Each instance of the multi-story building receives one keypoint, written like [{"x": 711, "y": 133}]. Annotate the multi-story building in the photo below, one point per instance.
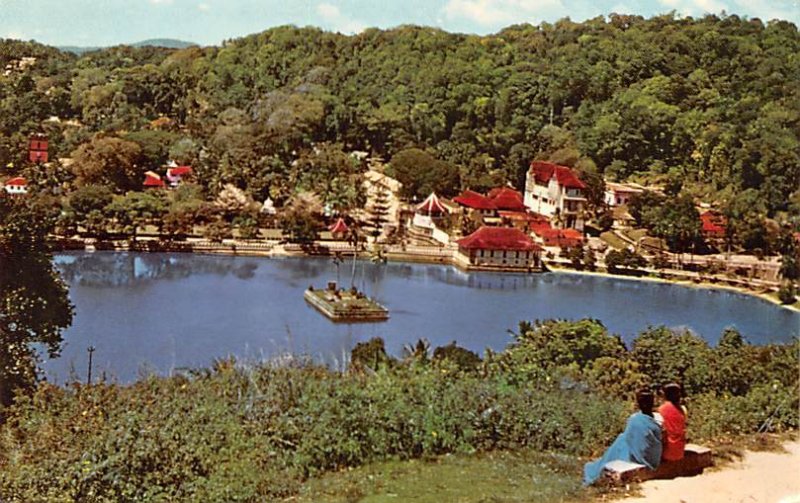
[{"x": 555, "y": 192}]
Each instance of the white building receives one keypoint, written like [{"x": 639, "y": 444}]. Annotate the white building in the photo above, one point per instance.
[
  {"x": 555, "y": 192},
  {"x": 16, "y": 186},
  {"x": 618, "y": 194}
]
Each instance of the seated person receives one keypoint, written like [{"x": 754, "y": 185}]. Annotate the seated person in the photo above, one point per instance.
[
  {"x": 639, "y": 443},
  {"x": 674, "y": 426}
]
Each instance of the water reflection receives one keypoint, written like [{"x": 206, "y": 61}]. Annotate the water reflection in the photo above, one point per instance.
[{"x": 110, "y": 269}]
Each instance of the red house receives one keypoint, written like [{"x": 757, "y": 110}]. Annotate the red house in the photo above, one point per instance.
[
  {"x": 507, "y": 199},
  {"x": 37, "y": 148},
  {"x": 561, "y": 238},
  {"x": 153, "y": 181},
  {"x": 713, "y": 224},
  {"x": 498, "y": 247},
  {"x": 175, "y": 175},
  {"x": 478, "y": 202}
]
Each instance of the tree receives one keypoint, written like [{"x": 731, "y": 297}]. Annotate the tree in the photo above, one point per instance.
[
  {"x": 90, "y": 198},
  {"x": 34, "y": 306},
  {"x": 115, "y": 163},
  {"x": 217, "y": 231},
  {"x": 787, "y": 293},
  {"x": 137, "y": 209},
  {"x": 745, "y": 213},
  {"x": 378, "y": 210},
  {"x": 641, "y": 206},
  {"x": 421, "y": 173},
  {"x": 624, "y": 259},
  {"x": 300, "y": 219},
  {"x": 678, "y": 222}
]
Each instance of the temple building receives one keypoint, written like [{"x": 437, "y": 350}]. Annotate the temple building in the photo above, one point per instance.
[{"x": 498, "y": 248}]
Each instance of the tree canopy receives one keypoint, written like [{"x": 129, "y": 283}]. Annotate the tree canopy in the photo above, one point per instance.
[{"x": 709, "y": 104}]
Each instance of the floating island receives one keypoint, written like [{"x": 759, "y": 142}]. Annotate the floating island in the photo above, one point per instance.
[{"x": 345, "y": 305}]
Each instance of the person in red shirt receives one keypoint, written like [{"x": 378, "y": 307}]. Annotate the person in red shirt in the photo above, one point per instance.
[{"x": 674, "y": 426}]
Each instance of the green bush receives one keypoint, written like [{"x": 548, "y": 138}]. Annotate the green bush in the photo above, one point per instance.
[
  {"x": 787, "y": 293},
  {"x": 252, "y": 433}
]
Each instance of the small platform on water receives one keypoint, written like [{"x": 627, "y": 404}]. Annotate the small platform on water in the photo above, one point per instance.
[
  {"x": 695, "y": 459},
  {"x": 345, "y": 305}
]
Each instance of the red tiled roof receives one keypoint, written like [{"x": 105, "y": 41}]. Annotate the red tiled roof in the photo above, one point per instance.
[
  {"x": 472, "y": 199},
  {"x": 506, "y": 198},
  {"x": 152, "y": 180},
  {"x": 431, "y": 204},
  {"x": 338, "y": 227},
  {"x": 17, "y": 182},
  {"x": 559, "y": 237},
  {"x": 544, "y": 171},
  {"x": 498, "y": 238},
  {"x": 536, "y": 227},
  {"x": 522, "y": 216},
  {"x": 180, "y": 171},
  {"x": 713, "y": 223}
]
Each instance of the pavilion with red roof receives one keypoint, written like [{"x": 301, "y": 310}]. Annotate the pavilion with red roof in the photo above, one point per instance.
[
  {"x": 339, "y": 228},
  {"x": 176, "y": 174},
  {"x": 16, "y": 186},
  {"x": 499, "y": 247},
  {"x": 431, "y": 206},
  {"x": 152, "y": 181}
]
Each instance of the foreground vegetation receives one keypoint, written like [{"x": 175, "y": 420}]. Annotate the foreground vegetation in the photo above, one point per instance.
[{"x": 241, "y": 432}]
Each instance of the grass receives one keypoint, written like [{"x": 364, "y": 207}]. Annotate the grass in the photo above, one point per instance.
[
  {"x": 635, "y": 234},
  {"x": 499, "y": 477},
  {"x": 613, "y": 240}
]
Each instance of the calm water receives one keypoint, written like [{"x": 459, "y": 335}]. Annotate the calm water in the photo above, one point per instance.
[{"x": 162, "y": 312}]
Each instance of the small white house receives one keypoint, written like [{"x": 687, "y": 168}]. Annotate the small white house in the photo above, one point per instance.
[
  {"x": 16, "y": 186},
  {"x": 618, "y": 194}
]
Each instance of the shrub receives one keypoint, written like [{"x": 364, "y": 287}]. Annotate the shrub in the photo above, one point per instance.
[{"x": 787, "y": 293}]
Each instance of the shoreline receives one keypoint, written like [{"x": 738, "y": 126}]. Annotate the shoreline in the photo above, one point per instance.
[
  {"x": 680, "y": 282},
  {"x": 278, "y": 250}
]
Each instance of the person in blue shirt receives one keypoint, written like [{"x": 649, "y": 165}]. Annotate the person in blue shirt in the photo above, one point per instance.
[{"x": 639, "y": 443}]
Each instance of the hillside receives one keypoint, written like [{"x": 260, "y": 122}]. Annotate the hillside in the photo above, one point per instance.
[{"x": 710, "y": 105}]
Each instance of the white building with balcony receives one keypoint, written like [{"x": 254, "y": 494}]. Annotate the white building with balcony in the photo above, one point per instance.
[{"x": 555, "y": 192}]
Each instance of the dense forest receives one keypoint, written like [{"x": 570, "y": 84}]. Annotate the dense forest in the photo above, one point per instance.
[{"x": 709, "y": 107}]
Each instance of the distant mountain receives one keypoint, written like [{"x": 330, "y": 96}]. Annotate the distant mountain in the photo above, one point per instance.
[
  {"x": 77, "y": 50},
  {"x": 168, "y": 43}
]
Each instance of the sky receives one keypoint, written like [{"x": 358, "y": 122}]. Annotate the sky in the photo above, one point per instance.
[{"x": 209, "y": 22}]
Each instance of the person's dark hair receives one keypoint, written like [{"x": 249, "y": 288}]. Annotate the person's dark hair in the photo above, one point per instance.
[
  {"x": 644, "y": 398},
  {"x": 672, "y": 393}
]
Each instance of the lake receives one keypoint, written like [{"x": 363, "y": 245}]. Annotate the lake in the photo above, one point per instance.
[{"x": 161, "y": 312}]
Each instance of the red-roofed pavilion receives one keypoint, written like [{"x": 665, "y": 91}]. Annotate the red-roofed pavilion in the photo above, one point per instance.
[
  {"x": 499, "y": 247},
  {"x": 339, "y": 228},
  {"x": 431, "y": 206},
  {"x": 152, "y": 180}
]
